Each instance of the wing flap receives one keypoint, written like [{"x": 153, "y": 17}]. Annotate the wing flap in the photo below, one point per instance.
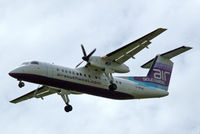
[
  {"x": 38, "y": 93},
  {"x": 124, "y": 53},
  {"x": 168, "y": 55},
  {"x": 132, "y": 53}
]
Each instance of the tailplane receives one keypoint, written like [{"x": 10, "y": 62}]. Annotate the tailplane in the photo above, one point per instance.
[{"x": 160, "y": 69}]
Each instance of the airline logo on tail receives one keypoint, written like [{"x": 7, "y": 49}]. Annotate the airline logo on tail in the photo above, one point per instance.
[
  {"x": 160, "y": 74},
  {"x": 160, "y": 70}
]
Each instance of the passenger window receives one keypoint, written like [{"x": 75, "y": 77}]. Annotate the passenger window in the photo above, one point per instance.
[
  {"x": 85, "y": 75},
  {"x": 57, "y": 69}
]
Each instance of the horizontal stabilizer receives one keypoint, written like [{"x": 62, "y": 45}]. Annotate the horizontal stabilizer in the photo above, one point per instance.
[{"x": 168, "y": 55}]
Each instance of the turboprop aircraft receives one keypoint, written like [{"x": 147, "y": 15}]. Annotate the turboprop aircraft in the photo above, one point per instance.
[{"x": 96, "y": 77}]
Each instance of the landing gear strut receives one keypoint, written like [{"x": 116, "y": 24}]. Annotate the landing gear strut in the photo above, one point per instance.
[
  {"x": 65, "y": 97},
  {"x": 21, "y": 84},
  {"x": 112, "y": 85}
]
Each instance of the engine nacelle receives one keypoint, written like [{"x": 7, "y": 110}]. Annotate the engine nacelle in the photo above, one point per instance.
[{"x": 101, "y": 63}]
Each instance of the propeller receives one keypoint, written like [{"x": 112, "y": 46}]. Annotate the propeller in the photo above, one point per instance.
[{"x": 85, "y": 56}]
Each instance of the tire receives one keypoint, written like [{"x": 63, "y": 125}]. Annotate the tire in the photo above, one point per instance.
[
  {"x": 21, "y": 84},
  {"x": 112, "y": 87}
]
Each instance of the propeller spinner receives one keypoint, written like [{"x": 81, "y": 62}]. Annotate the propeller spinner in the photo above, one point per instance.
[{"x": 85, "y": 56}]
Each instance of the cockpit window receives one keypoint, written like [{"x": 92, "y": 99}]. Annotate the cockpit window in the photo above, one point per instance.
[
  {"x": 25, "y": 63},
  {"x": 35, "y": 62}
]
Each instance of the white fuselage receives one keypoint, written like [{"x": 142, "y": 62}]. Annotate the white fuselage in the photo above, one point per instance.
[{"x": 83, "y": 80}]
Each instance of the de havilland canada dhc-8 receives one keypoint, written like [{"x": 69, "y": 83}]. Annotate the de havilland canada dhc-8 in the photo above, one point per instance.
[{"x": 96, "y": 77}]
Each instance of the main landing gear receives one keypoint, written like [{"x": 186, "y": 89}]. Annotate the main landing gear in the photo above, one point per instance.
[
  {"x": 65, "y": 97},
  {"x": 21, "y": 84},
  {"x": 112, "y": 86}
]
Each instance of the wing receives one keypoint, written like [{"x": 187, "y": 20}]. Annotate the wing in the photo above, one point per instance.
[
  {"x": 124, "y": 53},
  {"x": 38, "y": 93}
]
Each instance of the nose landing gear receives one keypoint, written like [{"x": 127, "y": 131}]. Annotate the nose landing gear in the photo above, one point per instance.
[
  {"x": 21, "y": 84},
  {"x": 65, "y": 97},
  {"x": 68, "y": 108}
]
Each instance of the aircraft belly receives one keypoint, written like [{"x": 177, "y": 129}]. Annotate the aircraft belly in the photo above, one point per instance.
[
  {"x": 146, "y": 92},
  {"x": 77, "y": 87},
  {"x": 140, "y": 92}
]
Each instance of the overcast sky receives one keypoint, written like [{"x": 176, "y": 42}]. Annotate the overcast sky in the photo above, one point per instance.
[{"x": 52, "y": 31}]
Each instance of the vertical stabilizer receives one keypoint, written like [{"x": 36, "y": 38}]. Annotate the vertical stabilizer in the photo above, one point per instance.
[
  {"x": 159, "y": 74},
  {"x": 160, "y": 69}
]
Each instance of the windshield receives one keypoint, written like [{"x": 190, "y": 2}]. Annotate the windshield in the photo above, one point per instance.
[
  {"x": 28, "y": 63},
  {"x": 35, "y": 62},
  {"x": 25, "y": 63}
]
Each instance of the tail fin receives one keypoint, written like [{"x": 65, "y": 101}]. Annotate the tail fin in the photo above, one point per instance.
[
  {"x": 161, "y": 68},
  {"x": 160, "y": 72}
]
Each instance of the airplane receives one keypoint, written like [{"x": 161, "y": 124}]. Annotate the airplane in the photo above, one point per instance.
[{"x": 96, "y": 77}]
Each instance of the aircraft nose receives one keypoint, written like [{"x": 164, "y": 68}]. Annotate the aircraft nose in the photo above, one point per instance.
[
  {"x": 14, "y": 73},
  {"x": 10, "y": 73}
]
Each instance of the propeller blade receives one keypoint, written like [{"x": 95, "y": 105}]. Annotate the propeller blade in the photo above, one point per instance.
[
  {"x": 85, "y": 56},
  {"x": 83, "y": 49},
  {"x": 91, "y": 53},
  {"x": 79, "y": 64}
]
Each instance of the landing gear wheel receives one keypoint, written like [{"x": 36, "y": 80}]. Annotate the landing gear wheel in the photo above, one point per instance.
[
  {"x": 68, "y": 108},
  {"x": 21, "y": 84},
  {"x": 112, "y": 87}
]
